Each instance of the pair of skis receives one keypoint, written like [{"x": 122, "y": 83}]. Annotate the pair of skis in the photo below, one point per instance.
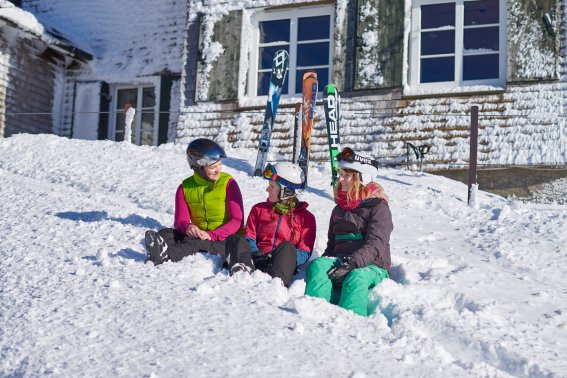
[{"x": 331, "y": 102}]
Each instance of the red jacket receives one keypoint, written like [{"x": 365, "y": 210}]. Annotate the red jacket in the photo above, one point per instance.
[{"x": 269, "y": 228}]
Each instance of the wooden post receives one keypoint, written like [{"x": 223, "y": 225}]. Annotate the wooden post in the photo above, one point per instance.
[{"x": 473, "y": 150}]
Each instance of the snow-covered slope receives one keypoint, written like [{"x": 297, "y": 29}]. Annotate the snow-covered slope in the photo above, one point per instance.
[{"x": 475, "y": 292}]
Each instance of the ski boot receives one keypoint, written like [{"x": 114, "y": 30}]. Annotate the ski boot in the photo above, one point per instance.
[
  {"x": 156, "y": 248},
  {"x": 239, "y": 267}
]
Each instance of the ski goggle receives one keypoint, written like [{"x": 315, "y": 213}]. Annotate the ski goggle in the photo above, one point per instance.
[
  {"x": 271, "y": 174},
  {"x": 347, "y": 154}
]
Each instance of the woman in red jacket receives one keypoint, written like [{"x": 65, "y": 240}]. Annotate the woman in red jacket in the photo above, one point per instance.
[{"x": 280, "y": 232}]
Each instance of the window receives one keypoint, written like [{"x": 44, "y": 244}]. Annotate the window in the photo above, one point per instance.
[
  {"x": 144, "y": 125},
  {"x": 305, "y": 34},
  {"x": 458, "y": 43}
]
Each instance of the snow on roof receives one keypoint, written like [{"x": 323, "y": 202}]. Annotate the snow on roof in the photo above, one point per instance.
[{"x": 130, "y": 38}]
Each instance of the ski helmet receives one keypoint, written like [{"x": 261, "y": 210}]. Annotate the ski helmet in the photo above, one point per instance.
[
  {"x": 204, "y": 152},
  {"x": 288, "y": 175},
  {"x": 367, "y": 170}
]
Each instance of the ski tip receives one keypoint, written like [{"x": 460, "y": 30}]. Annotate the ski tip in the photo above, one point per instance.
[
  {"x": 310, "y": 74},
  {"x": 330, "y": 89}
]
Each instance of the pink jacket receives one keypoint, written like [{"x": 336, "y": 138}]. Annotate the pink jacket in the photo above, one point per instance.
[
  {"x": 269, "y": 228},
  {"x": 235, "y": 213}
]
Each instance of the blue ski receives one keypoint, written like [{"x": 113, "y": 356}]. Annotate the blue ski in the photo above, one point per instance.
[{"x": 280, "y": 66}]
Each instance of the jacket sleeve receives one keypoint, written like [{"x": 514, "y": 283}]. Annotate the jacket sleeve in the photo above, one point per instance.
[
  {"x": 330, "y": 237},
  {"x": 235, "y": 210},
  {"x": 182, "y": 218},
  {"x": 251, "y": 224},
  {"x": 377, "y": 237},
  {"x": 308, "y": 233}
]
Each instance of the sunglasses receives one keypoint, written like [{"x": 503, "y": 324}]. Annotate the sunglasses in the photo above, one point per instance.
[
  {"x": 271, "y": 174},
  {"x": 347, "y": 154}
]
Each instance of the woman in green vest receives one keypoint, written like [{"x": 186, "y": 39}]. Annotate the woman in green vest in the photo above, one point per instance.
[{"x": 208, "y": 209}]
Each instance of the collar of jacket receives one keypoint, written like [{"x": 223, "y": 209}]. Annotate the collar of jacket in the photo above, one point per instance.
[
  {"x": 369, "y": 202},
  {"x": 202, "y": 181}
]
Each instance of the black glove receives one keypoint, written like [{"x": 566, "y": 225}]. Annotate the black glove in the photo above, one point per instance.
[
  {"x": 338, "y": 273},
  {"x": 262, "y": 261}
]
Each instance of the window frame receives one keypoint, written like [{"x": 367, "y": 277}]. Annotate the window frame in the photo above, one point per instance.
[
  {"x": 136, "y": 131},
  {"x": 458, "y": 83},
  {"x": 293, "y": 15}
]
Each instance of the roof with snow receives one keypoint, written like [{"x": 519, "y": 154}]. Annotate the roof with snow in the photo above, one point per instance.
[
  {"x": 28, "y": 23},
  {"x": 129, "y": 39}
]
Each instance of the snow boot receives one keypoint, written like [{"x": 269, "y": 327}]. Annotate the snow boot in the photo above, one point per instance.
[
  {"x": 239, "y": 267},
  {"x": 156, "y": 248}
]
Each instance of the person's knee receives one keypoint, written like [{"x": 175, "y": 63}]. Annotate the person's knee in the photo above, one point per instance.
[
  {"x": 318, "y": 267},
  {"x": 234, "y": 238},
  {"x": 357, "y": 277}
]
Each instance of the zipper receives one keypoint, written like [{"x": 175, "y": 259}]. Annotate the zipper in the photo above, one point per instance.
[{"x": 277, "y": 229}]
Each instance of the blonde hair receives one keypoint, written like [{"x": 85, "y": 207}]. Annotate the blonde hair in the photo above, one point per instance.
[{"x": 359, "y": 191}]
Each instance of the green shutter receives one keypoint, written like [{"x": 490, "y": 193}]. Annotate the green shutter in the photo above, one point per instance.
[
  {"x": 379, "y": 44},
  {"x": 533, "y": 52},
  {"x": 340, "y": 49},
  {"x": 218, "y": 80}
]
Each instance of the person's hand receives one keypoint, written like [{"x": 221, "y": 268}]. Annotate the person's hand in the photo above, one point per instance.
[
  {"x": 204, "y": 235},
  {"x": 338, "y": 273},
  {"x": 261, "y": 261},
  {"x": 193, "y": 231}
]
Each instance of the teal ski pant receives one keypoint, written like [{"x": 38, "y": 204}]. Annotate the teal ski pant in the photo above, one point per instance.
[{"x": 355, "y": 289}]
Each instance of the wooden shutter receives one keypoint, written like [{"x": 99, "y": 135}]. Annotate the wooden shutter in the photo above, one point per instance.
[
  {"x": 218, "y": 80},
  {"x": 379, "y": 44},
  {"x": 90, "y": 100},
  {"x": 533, "y": 52},
  {"x": 165, "y": 117}
]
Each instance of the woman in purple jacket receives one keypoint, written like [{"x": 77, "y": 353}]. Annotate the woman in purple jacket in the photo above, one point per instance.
[
  {"x": 357, "y": 257},
  {"x": 280, "y": 232}
]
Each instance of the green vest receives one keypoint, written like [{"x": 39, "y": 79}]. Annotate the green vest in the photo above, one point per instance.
[{"x": 207, "y": 201}]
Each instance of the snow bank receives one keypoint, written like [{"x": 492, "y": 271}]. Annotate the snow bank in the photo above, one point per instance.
[{"x": 474, "y": 292}]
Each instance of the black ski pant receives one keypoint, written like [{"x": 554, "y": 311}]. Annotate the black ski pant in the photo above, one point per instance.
[
  {"x": 180, "y": 245},
  {"x": 280, "y": 262}
]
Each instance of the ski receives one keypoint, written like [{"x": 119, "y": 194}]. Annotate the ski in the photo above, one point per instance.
[
  {"x": 308, "y": 112},
  {"x": 331, "y": 103},
  {"x": 280, "y": 65},
  {"x": 296, "y": 136}
]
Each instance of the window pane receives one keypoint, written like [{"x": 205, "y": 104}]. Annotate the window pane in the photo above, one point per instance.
[
  {"x": 437, "y": 69},
  {"x": 481, "y": 12},
  {"x": 481, "y": 39},
  {"x": 322, "y": 79},
  {"x": 147, "y": 120},
  {"x": 437, "y": 15},
  {"x": 264, "y": 84},
  {"x": 313, "y": 28},
  {"x": 274, "y": 31},
  {"x": 126, "y": 96},
  {"x": 477, "y": 67},
  {"x": 266, "y": 56},
  {"x": 438, "y": 42},
  {"x": 148, "y": 97},
  {"x": 313, "y": 54},
  {"x": 120, "y": 121},
  {"x": 147, "y": 138},
  {"x": 119, "y": 136}
]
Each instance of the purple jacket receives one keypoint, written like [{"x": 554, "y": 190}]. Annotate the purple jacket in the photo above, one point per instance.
[{"x": 363, "y": 233}]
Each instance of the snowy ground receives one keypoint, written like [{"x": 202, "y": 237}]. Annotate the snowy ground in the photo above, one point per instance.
[{"x": 475, "y": 292}]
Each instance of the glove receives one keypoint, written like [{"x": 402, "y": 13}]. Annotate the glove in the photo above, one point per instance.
[
  {"x": 262, "y": 262},
  {"x": 338, "y": 273}
]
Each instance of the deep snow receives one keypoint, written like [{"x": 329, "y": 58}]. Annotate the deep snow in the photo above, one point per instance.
[{"x": 475, "y": 291}]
